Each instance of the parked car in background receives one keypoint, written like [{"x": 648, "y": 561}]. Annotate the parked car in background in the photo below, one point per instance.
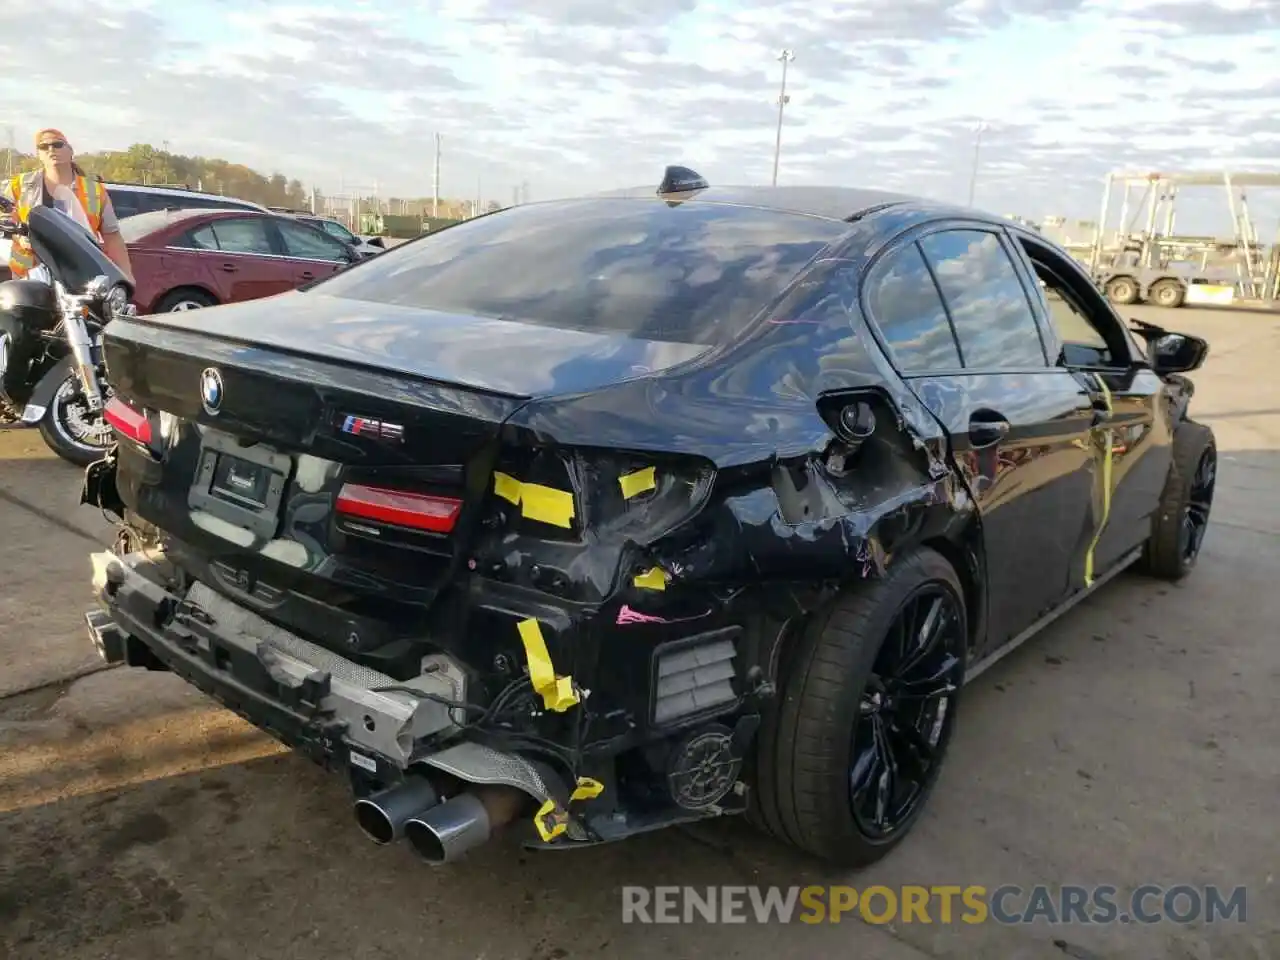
[
  {"x": 365, "y": 246},
  {"x": 187, "y": 259},
  {"x": 131, "y": 199}
]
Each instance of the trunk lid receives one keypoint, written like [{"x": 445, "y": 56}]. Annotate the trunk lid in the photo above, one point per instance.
[
  {"x": 482, "y": 353},
  {"x": 327, "y": 467}
]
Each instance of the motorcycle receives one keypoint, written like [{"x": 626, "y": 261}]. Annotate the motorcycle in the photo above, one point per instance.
[{"x": 52, "y": 375}]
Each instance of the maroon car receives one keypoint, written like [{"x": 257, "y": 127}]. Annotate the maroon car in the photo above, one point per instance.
[{"x": 184, "y": 259}]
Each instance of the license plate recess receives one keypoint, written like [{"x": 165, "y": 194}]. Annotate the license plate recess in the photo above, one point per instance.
[{"x": 242, "y": 485}]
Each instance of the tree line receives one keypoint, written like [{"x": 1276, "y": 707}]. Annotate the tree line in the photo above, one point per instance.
[{"x": 144, "y": 163}]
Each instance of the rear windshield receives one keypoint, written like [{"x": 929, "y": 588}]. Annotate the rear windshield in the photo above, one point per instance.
[{"x": 693, "y": 273}]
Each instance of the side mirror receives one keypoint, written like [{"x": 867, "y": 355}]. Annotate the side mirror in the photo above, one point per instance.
[
  {"x": 1177, "y": 353},
  {"x": 6, "y": 205}
]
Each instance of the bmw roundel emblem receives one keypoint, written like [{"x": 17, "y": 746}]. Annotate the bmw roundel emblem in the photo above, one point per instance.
[{"x": 211, "y": 390}]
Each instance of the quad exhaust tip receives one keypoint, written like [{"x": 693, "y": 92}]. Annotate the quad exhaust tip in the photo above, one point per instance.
[
  {"x": 446, "y": 832},
  {"x": 440, "y": 832},
  {"x": 383, "y": 815},
  {"x": 107, "y": 638}
]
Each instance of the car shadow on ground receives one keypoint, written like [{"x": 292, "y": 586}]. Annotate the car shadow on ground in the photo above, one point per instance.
[{"x": 1125, "y": 745}]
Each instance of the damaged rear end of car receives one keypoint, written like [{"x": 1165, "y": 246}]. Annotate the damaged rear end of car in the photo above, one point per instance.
[{"x": 497, "y": 552}]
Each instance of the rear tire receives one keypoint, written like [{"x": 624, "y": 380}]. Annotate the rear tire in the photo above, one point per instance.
[
  {"x": 1182, "y": 517},
  {"x": 1167, "y": 293},
  {"x": 1122, "y": 290},
  {"x": 838, "y": 701},
  {"x": 185, "y": 298}
]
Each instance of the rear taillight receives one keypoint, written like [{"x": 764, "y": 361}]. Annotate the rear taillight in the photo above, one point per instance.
[
  {"x": 419, "y": 511},
  {"x": 128, "y": 421},
  {"x": 622, "y": 495},
  {"x": 639, "y": 499}
]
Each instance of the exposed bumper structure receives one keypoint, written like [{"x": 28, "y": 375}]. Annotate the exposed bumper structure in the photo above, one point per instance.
[
  {"x": 323, "y": 705},
  {"x": 261, "y": 670}
]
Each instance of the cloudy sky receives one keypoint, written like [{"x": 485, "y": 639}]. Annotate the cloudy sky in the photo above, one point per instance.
[{"x": 576, "y": 95}]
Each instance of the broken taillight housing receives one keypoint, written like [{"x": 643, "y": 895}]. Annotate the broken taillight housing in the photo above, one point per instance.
[
  {"x": 128, "y": 421},
  {"x": 576, "y": 494},
  {"x": 430, "y": 513},
  {"x": 641, "y": 498}
]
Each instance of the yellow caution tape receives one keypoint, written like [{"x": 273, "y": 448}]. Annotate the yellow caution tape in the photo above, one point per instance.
[
  {"x": 536, "y": 502},
  {"x": 655, "y": 579},
  {"x": 557, "y": 692},
  {"x": 507, "y": 487},
  {"x": 634, "y": 484},
  {"x": 1106, "y": 490},
  {"x": 552, "y": 821},
  {"x": 546, "y": 504},
  {"x": 587, "y": 789}
]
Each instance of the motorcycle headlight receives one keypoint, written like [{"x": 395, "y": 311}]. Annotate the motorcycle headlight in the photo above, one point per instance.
[{"x": 116, "y": 302}]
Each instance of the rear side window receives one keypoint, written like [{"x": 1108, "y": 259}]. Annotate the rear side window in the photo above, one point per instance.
[
  {"x": 124, "y": 202},
  {"x": 907, "y": 310},
  {"x": 201, "y": 238},
  {"x": 308, "y": 243},
  {"x": 987, "y": 302},
  {"x": 247, "y": 235},
  {"x": 335, "y": 230},
  {"x": 147, "y": 203},
  {"x": 692, "y": 273}
]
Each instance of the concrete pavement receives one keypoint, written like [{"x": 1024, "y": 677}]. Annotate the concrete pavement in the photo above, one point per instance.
[{"x": 1134, "y": 742}]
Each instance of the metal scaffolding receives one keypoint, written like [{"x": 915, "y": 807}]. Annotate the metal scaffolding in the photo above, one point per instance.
[{"x": 1257, "y": 269}]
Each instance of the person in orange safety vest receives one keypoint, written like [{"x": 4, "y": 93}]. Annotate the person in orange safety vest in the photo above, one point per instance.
[{"x": 62, "y": 185}]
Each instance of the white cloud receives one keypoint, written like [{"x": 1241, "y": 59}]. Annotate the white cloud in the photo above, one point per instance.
[{"x": 577, "y": 95}]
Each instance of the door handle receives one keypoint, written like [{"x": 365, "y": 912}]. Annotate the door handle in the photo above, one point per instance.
[
  {"x": 229, "y": 268},
  {"x": 307, "y": 275},
  {"x": 986, "y": 429}
]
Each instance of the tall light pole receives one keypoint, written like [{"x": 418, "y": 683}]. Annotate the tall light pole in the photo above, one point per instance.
[
  {"x": 977, "y": 152},
  {"x": 435, "y": 182},
  {"x": 786, "y": 56}
]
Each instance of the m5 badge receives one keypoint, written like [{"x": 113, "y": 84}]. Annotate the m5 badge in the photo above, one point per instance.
[{"x": 373, "y": 429}]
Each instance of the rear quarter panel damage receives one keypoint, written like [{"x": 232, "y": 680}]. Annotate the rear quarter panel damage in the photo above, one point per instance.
[{"x": 793, "y": 515}]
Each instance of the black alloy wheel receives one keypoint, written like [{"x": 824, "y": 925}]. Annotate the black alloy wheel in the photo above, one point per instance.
[
  {"x": 868, "y": 694},
  {"x": 905, "y": 712}
]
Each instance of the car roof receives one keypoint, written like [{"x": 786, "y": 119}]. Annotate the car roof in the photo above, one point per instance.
[
  {"x": 834, "y": 203},
  {"x": 179, "y": 192},
  {"x": 307, "y": 216}
]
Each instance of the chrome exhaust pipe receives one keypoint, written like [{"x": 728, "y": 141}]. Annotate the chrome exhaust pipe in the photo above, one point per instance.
[
  {"x": 107, "y": 638},
  {"x": 444, "y": 833},
  {"x": 383, "y": 815}
]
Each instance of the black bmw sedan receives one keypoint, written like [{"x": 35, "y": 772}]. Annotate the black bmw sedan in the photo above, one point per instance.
[{"x": 593, "y": 516}]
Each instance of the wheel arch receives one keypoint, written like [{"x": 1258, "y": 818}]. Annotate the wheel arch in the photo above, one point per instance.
[
  {"x": 965, "y": 553},
  {"x": 961, "y": 547},
  {"x": 194, "y": 287}
]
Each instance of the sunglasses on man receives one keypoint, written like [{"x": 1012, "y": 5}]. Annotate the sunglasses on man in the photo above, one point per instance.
[{"x": 53, "y": 145}]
